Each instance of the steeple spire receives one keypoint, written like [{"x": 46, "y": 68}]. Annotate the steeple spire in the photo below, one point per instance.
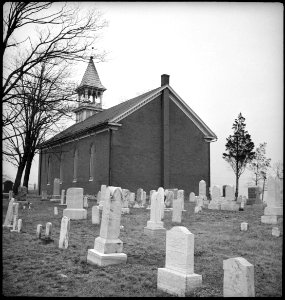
[{"x": 90, "y": 93}]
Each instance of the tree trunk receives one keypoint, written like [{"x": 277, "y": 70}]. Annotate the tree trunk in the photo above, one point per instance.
[
  {"x": 28, "y": 169},
  {"x": 18, "y": 178},
  {"x": 236, "y": 193},
  {"x": 263, "y": 188}
]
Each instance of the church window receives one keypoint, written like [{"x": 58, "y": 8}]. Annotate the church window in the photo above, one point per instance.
[
  {"x": 75, "y": 165},
  {"x": 91, "y": 162}
]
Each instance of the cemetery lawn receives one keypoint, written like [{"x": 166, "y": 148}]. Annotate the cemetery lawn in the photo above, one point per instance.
[{"x": 32, "y": 267}]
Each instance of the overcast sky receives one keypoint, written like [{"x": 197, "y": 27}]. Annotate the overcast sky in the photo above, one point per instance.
[{"x": 222, "y": 58}]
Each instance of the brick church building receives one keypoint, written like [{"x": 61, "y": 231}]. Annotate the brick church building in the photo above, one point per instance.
[{"x": 149, "y": 141}]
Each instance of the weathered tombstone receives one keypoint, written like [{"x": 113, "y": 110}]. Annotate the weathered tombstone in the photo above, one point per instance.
[
  {"x": 202, "y": 188},
  {"x": 192, "y": 197},
  {"x": 125, "y": 201},
  {"x": 243, "y": 226},
  {"x": 169, "y": 199},
  {"x": 230, "y": 194},
  {"x": 239, "y": 199},
  {"x": 199, "y": 201},
  {"x": 39, "y": 231},
  {"x": 11, "y": 195},
  {"x": 108, "y": 247},
  {"x": 95, "y": 214},
  {"x": 150, "y": 193},
  {"x": 55, "y": 211},
  {"x": 215, "y": 203},
  {"x": 154, "y": 226},
  {"x": 229, "y": 203},
  {"x": 56, "y": 190},
  {"x": 139, "y": 197},
  {"x": 180, "y": 194},
  {"x": 276, "y": 231},
  {"x": 9, "y": 215},
  {"x": 20, "y": 224},
  {"x": 132, "y": 200},
  {"x": 103, "y": 192},
  {"x": 143, "y": 198},
  {"x": 44, "y": 195},
  {"x": 48, "y": 230},
  {"x": 8, "y": 186},
  {"x": 64, "y": 232},
  {"x": 74, "y": 202},
  {"x": 62, "y": 198},
  {"x": 175, "y": 192},
  {"x": 253, "y": 195},
  {"x": 15, "y": 216},
  {"x": 197, "y": 209},
  {"x": 238, "y": 278},
  {"x": 85, "y": 202},
  {"x": 98, "y": 198},
  {"x": 274, "y": 200},
  {"x": 177, "y": 210},
  {"x": 178, "y": 277},
  {"x": 22, "y": 193},
  {"x": 161, "y": 197}
]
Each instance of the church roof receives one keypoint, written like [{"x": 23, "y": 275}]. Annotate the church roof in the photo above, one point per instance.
[
  {"x": 91, "y": 77},
  {"x": 118, "y": 112}
]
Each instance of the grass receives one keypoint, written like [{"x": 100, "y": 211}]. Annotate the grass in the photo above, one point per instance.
[{"x": 32, "y": 267}]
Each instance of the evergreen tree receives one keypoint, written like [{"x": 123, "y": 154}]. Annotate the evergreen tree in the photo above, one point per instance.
[{"x": 239, "y": 149}]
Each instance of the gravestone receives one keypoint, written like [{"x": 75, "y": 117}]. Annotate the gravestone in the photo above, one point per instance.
[
  {"x": 139, "y": 197},
  {"x": 230, "y": 194},
  {"x": 154, "y": 226},
  {"x": 62, "y": 198},
  {"x": 178, "y": 277},
  {"x": 85, "y": 201},
  {"x": 215, "y": 203},
  {"x": 8, "y": 186},
  {"x": 274, "y": 200},
  {"x": 175, "y": 192},
  {"x": 20, "y": 224},
  {"x": 177, "y": 210},
  {"x": 244, "y": 226},
  {"x": 143, "y": 198},
  {"x": 180, "y": 194},
  {"x": 9, "y": 215},
  {"x": 39, "y": 231},
  {"x": 254, "y": 193},
  {"x": 64, "y": 232},
  {"x": 22, "y": 193},
  {"x": 44, "y": 195},
  {"x": 125, "y": 201},
  {"x": 103, "y": 192},
  {"x": 98, "y": 198},
  {"x": 238, "y": 278},
  {"x": 48, "y": 230},
  {"x": 150, "y": 193},
  {"x": 95, "y": 214},
  {"x": 108, "y": 247},
  {"x": 55, "y": 210},
  {"x": 276, "y": 231},
  {"x": 132, "y": 200},
  {"x": 11, "y": 195},
  {"x": 15, "y": 217},
  {"x": 202, "y": 188},
  {"x": 74, "y": 202},
  {"x": 161, "y": 197},
  {"x": 229, "y": 203},
  {"x": 169, "y": 199},
  {"x": 192, "y": 197},
  {"x": 197, "y": 209}
]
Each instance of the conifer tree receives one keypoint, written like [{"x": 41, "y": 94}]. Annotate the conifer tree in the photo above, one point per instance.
[{"x": 239, "y": 149}]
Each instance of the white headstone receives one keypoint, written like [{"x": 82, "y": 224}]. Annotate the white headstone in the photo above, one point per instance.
[
  {"x": 238, "y": 278},
  {"x": 98, "y": 197},
  {"x": 55, "y": 211},
  {"x": 243, "y": 226},
  {"x": 64, "y": 232},
  {"x": 9, "y": 215},
  {"x": 20, "y": 224},
  {"x": 39, "y": 231},
  {"x": 74, "y": 198},
  {"x": 229, "y": 193},
  {"x": 169, "y": 199},
  {"x": 85, "y": 201},
  {"x": 62, "y": 202},
  {"x": 177, "y": 210},
  {"x": 95, "y": 214},
  {"x": 143, "y": 198},
  {"x": 202, "y": 188},
  {"x": 48, "y": 230},
  {"x": 160, "y": 196},
  {"x": 192, "y": 197},
  {"x": 178, "y": 277},
  {"x": 180, "y": 194}
]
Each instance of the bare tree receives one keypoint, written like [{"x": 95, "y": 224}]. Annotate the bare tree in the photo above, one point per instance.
[
  {"x": 65, "y": 37},
  {"x": 43, "y": 98},
  {"x": 277, "y": 169}
]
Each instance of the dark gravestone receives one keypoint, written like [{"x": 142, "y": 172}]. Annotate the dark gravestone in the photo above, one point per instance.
[
  {"x": 8, "y": 185},
  {"x": 253, "y": 195}
]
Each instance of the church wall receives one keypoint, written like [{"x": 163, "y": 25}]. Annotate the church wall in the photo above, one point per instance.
[
  {"x": 136, "y": 149},
  {"x": 189, "y": 153},
  {"x": 101, "y": 164}
]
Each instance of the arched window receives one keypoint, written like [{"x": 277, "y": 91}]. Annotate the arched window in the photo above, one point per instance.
[
  {"x": 49, "y": 170},
  {"x": 75, "y": 165},
  {"x": 91, "y": 162},
  {"x": 61, "y": 168}
]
